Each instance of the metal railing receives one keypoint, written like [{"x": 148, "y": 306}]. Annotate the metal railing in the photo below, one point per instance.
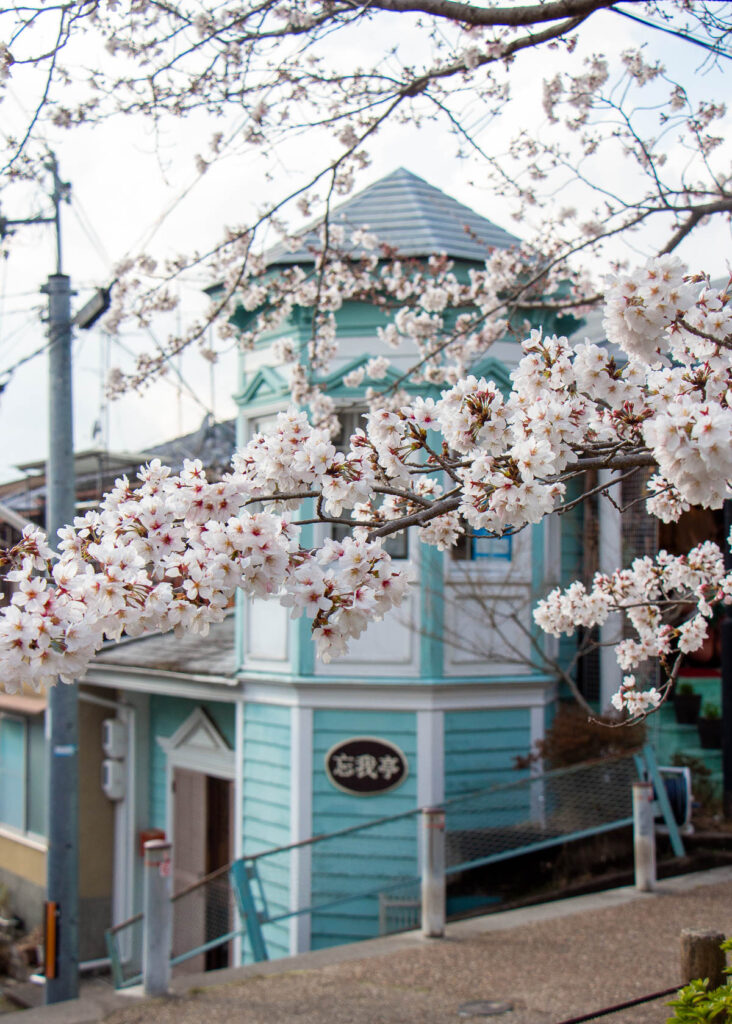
[{"x": 365, "y": 879}]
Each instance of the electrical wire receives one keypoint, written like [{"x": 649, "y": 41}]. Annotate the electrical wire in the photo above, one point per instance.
[
  {"x": 678, "y": 33},
  {"x": 88, "y": 229},
  {"x": 10, "y": 370},
  {"x": 130, "y": 352}
]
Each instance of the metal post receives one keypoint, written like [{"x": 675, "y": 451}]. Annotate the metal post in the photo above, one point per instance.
[
  {"x": 433, "y": 872},
  {"x": 157, "y": 922},
  {"x": 62, "y": 867},
  {"x": 644, "y": 837}
]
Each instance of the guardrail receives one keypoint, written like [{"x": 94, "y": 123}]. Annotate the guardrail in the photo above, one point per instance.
[{"x": 364, "y": 877}]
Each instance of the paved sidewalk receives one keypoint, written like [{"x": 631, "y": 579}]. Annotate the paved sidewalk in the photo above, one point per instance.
[{"x": 551, "y": 962}]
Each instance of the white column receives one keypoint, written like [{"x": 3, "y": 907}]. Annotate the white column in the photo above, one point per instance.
[
  {"x": 430, "y": 764},
  {"x": 430, "y": 758},
  {"x": 301, "y": 823},
  {"x": 537, "y": 719},
  {"x": 433, "y": 873},
  {"x": 610, "y": 557},
  {"x": 238, "y": 822}
]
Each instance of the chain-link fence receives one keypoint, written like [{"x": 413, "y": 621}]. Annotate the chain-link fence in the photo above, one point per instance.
[{"x": 538, "y": 811}]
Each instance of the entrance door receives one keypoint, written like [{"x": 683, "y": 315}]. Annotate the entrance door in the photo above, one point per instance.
[
  {"x": 201, "y": 844},
  {"x": 219, "y": 909}
]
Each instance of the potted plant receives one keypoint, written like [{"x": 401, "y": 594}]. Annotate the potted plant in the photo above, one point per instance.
[
  {"x": 686, "y": 704},
  {"x": 710, "y": 727}
]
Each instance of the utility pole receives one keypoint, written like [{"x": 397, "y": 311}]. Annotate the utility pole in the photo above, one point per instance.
[
  {"x": 62, "y": 859},
  {"x": 62, "y": 881}
]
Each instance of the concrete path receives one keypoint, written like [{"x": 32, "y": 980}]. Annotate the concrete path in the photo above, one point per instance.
[{"x": 550, "y": 962}]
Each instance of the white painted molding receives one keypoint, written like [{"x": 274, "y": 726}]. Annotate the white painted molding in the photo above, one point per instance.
[
  {"x": 410, "y": 697},
  {"x": 536, "y": 726},
  {"x": 29, "y": 839},
  {"x": 430, "y": 758},
  {"x": 167, "y": 684},
  {"x": 199, "y": 746}
]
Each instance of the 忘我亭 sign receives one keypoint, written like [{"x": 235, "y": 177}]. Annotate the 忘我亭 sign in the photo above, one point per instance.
[{"x": 365, "y": 765}]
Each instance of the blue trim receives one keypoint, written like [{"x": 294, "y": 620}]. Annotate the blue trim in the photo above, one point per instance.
[
  {"x": 302, "y": 645},
  {"x": 491, "y": 546},
  {"x": 651, "y": 771},
  {"x": 266, "y": 384},
  {"x": 240, "y": 873},
  {"x": 212, "y": 944}
]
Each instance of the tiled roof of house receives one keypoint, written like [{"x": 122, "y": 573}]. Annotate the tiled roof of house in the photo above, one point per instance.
[
  {"x": 193, "y": 654},
  {"x": 213, "y": 443},
  {"x": 411, "y": 216}
]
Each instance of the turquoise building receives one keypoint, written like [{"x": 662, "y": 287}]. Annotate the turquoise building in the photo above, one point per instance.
[{"x": 450, "y": 678}]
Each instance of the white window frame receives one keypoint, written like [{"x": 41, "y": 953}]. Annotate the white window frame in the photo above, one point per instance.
[{"x": 24, "y": 834}]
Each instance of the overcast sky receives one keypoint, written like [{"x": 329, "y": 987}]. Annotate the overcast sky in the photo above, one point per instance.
[{"x": 128, "y": 186}]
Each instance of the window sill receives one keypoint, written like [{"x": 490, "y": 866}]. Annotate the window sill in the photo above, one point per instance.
[{"x": 30, "y": 839}]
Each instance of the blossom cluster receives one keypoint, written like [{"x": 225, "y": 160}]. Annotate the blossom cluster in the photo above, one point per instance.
[
  {"x": 656, "y": 596},
  {"x": 170, "y": 554}
]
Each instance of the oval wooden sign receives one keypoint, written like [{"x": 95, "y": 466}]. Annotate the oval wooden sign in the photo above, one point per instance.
[{"x": 365, "y": 765}]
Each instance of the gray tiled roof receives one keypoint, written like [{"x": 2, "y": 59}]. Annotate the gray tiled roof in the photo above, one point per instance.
[
  {"x": 213, "y": 443},
  {"x": 408, "y": 214},
  {"x": 211, "y": 655}
]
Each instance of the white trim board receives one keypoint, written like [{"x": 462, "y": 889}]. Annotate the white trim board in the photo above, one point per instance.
[
  {"x": 367, "y": 698},
  {"x": 166, "y": 685}
]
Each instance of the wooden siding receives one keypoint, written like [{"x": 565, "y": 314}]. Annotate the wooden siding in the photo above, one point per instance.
[
  {"x": 266, "y": 821},
  {"x": 364, "y": 860},
  {"x": 480, "y": 747}
]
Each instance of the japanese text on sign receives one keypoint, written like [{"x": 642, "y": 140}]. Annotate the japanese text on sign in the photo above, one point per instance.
[{"x": 365, "y": 765}]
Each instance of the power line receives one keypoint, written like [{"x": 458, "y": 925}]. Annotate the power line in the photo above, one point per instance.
[
  {"x": 10, "y": 370},
  {"x": 168, "y": 357},
  {"x": 678, "y": 33},
  {"x": 87, "y": 227}
]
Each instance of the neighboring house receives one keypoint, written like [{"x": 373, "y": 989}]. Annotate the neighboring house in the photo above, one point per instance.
[{"x": 22, "y": 735}]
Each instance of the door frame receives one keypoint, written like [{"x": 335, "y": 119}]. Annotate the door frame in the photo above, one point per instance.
[{"x": 198, "y": 746}]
